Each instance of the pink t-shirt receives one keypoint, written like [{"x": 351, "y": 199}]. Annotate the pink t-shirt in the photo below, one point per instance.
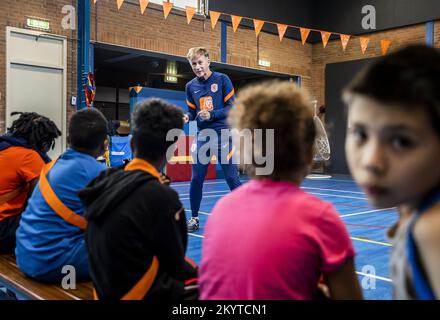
[{"x": 270, "y": 240}]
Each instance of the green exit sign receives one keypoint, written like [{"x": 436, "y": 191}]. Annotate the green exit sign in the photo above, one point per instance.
[{"x": 37, "y": 23}]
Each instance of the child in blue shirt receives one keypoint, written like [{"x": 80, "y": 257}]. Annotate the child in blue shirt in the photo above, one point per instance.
[{"x": 51, "y": 231}]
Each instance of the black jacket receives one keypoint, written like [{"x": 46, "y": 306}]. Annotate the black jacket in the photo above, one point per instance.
[{"x": 131, "y": 218}]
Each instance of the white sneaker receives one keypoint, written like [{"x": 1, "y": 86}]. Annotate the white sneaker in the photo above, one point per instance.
[{"x": 192, "y": 224}]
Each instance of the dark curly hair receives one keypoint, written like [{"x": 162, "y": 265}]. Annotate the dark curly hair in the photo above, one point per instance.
[
  {"x": 39, "y": 132},
  {"x": 88, "y": 130},
  {"x": 151, "y": 121},
  {"x": 281, "y": 106},
  {"x": 408, "y": 78}
]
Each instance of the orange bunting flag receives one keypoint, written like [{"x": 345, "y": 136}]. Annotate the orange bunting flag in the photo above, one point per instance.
[
  {"x": 143, "y": 4},
  {"x": 235, "y": 22},
  {"x": 281, "y": 30},
  {"x": 167, "y": 6},
  {"x": 344, "y": 41},
  {"x": 364, "y": 43},
  {"x": 258, "y": 25},
  {"x": 120, "y": 2},
  {"x": 94, "y": 1},
  {"x": 385, "y": 45},
  {"x": 325, "y": 37},
  {"x": 304, "y": 34},
  {"x": 190, "y": 13},
  {"x": 214, "y": 18}
]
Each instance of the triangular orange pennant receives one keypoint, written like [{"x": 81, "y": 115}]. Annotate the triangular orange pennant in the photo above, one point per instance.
[
  {"x": 214, "y": 15},
  {"x": 94, "y": 1},
  {"x": 119, "y": 2},
  {"x": 364, "y": 43},
  {"x": 235, "y": 22},
  {"x": 190, "y": 11},
  {"x": 344, "y": 40},
  {"x": 258, "y": 25},
  {"x": 143, "y": 4},
  {"x": 304, "y": 34},
  {"x": 167, "y": 6},
  {"x": 325, "y": 37},
  {"x": 281, "y": 30},
  {"x": 385, "y": 45}
]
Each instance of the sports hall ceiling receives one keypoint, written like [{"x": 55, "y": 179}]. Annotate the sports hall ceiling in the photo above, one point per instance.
[{"x": 125, "y": 67}]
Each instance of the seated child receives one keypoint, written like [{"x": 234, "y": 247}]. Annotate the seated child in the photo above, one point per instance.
[
  {"x": 51, "y": 231},
  {"x": 269, "y": 239},
  {"x": 393, "y": 152},
  {"x": 137, "y": 236},
  {"x": 22, "y": 156}
]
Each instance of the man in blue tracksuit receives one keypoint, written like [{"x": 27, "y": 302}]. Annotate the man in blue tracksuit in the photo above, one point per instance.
[{"x": 209, "y": 97}]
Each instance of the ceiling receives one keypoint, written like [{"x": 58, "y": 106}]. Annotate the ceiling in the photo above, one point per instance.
[{"x": 120, "y": 67}]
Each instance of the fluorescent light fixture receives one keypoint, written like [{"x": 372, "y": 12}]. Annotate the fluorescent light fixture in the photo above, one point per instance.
[
  {"x": 264, "y": 63},
  {"x": 170, "y": 79},
  {"x": 171, "y": 72}
]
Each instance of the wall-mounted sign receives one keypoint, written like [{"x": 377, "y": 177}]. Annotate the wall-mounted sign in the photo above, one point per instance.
[{"x": 37, "y": 23}]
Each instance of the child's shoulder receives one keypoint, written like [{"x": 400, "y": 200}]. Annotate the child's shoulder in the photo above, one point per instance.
[{"x": 427, "y": 227}]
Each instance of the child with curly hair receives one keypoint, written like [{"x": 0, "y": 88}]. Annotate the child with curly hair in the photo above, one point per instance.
[{"x": 291, "y": 239}]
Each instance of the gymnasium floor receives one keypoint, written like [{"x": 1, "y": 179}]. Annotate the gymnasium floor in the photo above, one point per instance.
[{"x": 367, "y": 226}]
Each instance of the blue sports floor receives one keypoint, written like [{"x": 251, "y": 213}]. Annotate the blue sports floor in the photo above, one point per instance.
[{"x": 367, "y": 226}]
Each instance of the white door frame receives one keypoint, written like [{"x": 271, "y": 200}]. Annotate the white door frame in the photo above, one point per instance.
[{"x": 10, "y": 59}]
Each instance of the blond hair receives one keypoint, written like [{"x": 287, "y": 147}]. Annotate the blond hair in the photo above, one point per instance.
[
  {"x": 197, "y": 51},
  {"x": 283, "y": 107}
]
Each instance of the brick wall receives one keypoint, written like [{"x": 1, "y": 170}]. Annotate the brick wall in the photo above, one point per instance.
[
  {"x": 150, "y": 31},
  {"x": 334, "y": 53}
]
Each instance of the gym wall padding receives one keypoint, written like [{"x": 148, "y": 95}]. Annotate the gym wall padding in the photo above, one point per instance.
[
  {"x": 176, "y": 171},
  {"x": 337, "y": 76},
  {"x": 177, "y": 98}
]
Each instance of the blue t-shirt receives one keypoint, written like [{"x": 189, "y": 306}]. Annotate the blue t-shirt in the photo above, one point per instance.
[
  {"x": 44, "y": 239},
  {"x": 120, "y": 150},
  {"x": 215, "y": 93}
]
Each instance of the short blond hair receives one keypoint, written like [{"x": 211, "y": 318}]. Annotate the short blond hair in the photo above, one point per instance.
[
  {"x": 197, "y": 51},
  {"x": 282, "y": 106}
]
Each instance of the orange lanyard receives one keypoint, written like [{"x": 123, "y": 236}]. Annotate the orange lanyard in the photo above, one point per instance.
[
  {"x": 55, "y": 203},
  {"x": 140, "y": 164}
]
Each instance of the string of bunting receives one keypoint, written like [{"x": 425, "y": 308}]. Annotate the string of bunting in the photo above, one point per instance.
[{"x": 258, "y": 25}]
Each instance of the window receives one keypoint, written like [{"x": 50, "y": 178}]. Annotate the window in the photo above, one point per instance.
[{"x": 198, "y": 4}]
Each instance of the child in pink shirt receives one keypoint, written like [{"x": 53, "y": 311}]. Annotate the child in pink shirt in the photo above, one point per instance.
[{"x": 268, "y": 239}]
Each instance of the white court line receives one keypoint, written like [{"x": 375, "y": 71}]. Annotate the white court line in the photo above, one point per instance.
[
  {"x": 343, "y": 191},
  {"x": 206, "y": 192},
  {"x": 365, "y": 212},
  {"x": 338, "y": 196},
  {"x": 195, "y": 235},
  {"x": 331, "y": 179},
  {"x": 359, "y": 273},
  {"x": 315, "y": 193},
  {"x": 226, "y": 191},
  {"x": 373, "y": 276},
  {"x": 178, "y": 184}
]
